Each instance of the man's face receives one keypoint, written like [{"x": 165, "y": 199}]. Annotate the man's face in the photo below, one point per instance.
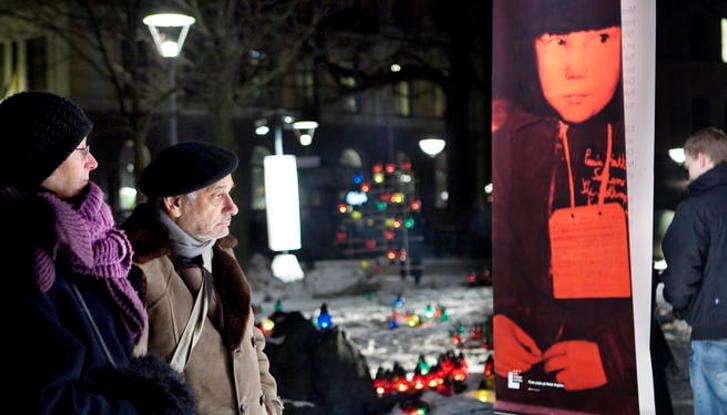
[
  {"x": 209, "y": 213},
  {"x": 579, "y": 71}
]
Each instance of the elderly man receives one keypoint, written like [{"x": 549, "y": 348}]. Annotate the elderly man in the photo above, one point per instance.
[{"x": 197, "y": 296}]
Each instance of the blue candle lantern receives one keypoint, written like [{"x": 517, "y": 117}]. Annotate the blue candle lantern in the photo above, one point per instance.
[{"x": 324, "y": 318}]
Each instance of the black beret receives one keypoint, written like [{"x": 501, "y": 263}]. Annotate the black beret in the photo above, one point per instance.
[
  {"x": 186, "y": 167},
  {"x": 41, "y": 130}
]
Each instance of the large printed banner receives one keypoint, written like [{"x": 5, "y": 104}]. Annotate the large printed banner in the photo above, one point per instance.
[{"x": 572, "y": 205}]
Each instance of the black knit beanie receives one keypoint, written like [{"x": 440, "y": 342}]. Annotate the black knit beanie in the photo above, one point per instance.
[
  {"x": 41, "y": 131},
  {"x": 186, "y": 167}
]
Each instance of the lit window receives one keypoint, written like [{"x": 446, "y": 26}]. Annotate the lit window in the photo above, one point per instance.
[
  {"x": 351, "y": 103},
  {"x": 350, "y": 158},
  {"x": 305, "y": 82},
  {"x": 430, "y": 100},
  {"x": 440, "y": 181},
  {"x": 24, "y": 65},
  {"x": 402, "y": 99}
]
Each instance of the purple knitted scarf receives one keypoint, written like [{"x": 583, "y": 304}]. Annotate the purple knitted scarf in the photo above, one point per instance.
[{"x": 85, "y": 242}]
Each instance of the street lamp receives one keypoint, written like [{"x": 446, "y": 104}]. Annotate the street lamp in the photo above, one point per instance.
[
  {"x": 432, "y": 146},
  {"x": 677, "y": 155},
  {"x": 282, "y": 120},
  {"x": 169, "y": 30},
  {"x": 281, "y": 193},
  {"x": 305, "y": 130}
]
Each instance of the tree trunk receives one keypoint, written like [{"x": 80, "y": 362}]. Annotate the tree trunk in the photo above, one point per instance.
[{"x": 224, "y": 136}]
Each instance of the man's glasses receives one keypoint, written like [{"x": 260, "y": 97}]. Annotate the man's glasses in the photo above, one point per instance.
[{"x": 85, "y": 151}]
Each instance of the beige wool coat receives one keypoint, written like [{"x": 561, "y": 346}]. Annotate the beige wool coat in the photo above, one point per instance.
[{"x": 227, "y": 369}]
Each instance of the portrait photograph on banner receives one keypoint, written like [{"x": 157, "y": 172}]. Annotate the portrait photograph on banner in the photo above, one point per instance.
[{"x": 563, "y": 324}]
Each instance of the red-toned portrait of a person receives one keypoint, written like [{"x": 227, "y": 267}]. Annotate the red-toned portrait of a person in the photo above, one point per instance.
[{"x": 563, "y": 323}]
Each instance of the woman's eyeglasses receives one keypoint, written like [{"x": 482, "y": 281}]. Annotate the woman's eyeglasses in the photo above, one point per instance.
[{"x": 85, "y": 151}]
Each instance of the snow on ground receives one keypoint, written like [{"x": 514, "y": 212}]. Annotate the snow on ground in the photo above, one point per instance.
[
  {"x": 365, "y": 312},
  {"x": 362, "y": 304}
]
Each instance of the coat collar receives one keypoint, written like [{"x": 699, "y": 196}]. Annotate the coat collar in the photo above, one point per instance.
[{"x": 715, "y": 176}]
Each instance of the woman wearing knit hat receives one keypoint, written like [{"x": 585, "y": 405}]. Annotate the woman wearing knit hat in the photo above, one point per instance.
[{"x": 74, "y": 315}]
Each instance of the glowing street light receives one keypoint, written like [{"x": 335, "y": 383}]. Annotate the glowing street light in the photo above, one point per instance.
[
  {"x": 305, "y": 130},
  {"x": 169, "y": 30},
  {"x": 280, "y": 120},
  {"x": 432, "y": 146},
  {"x": 677, "y": 155}
]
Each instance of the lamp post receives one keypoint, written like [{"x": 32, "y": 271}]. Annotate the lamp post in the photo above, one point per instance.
[
  {"x": 281, "y": 193},
  {"x": 283, "y": 120},
  {"x": 169, "y": 30},
  {"x": 433, "y": 146}
]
